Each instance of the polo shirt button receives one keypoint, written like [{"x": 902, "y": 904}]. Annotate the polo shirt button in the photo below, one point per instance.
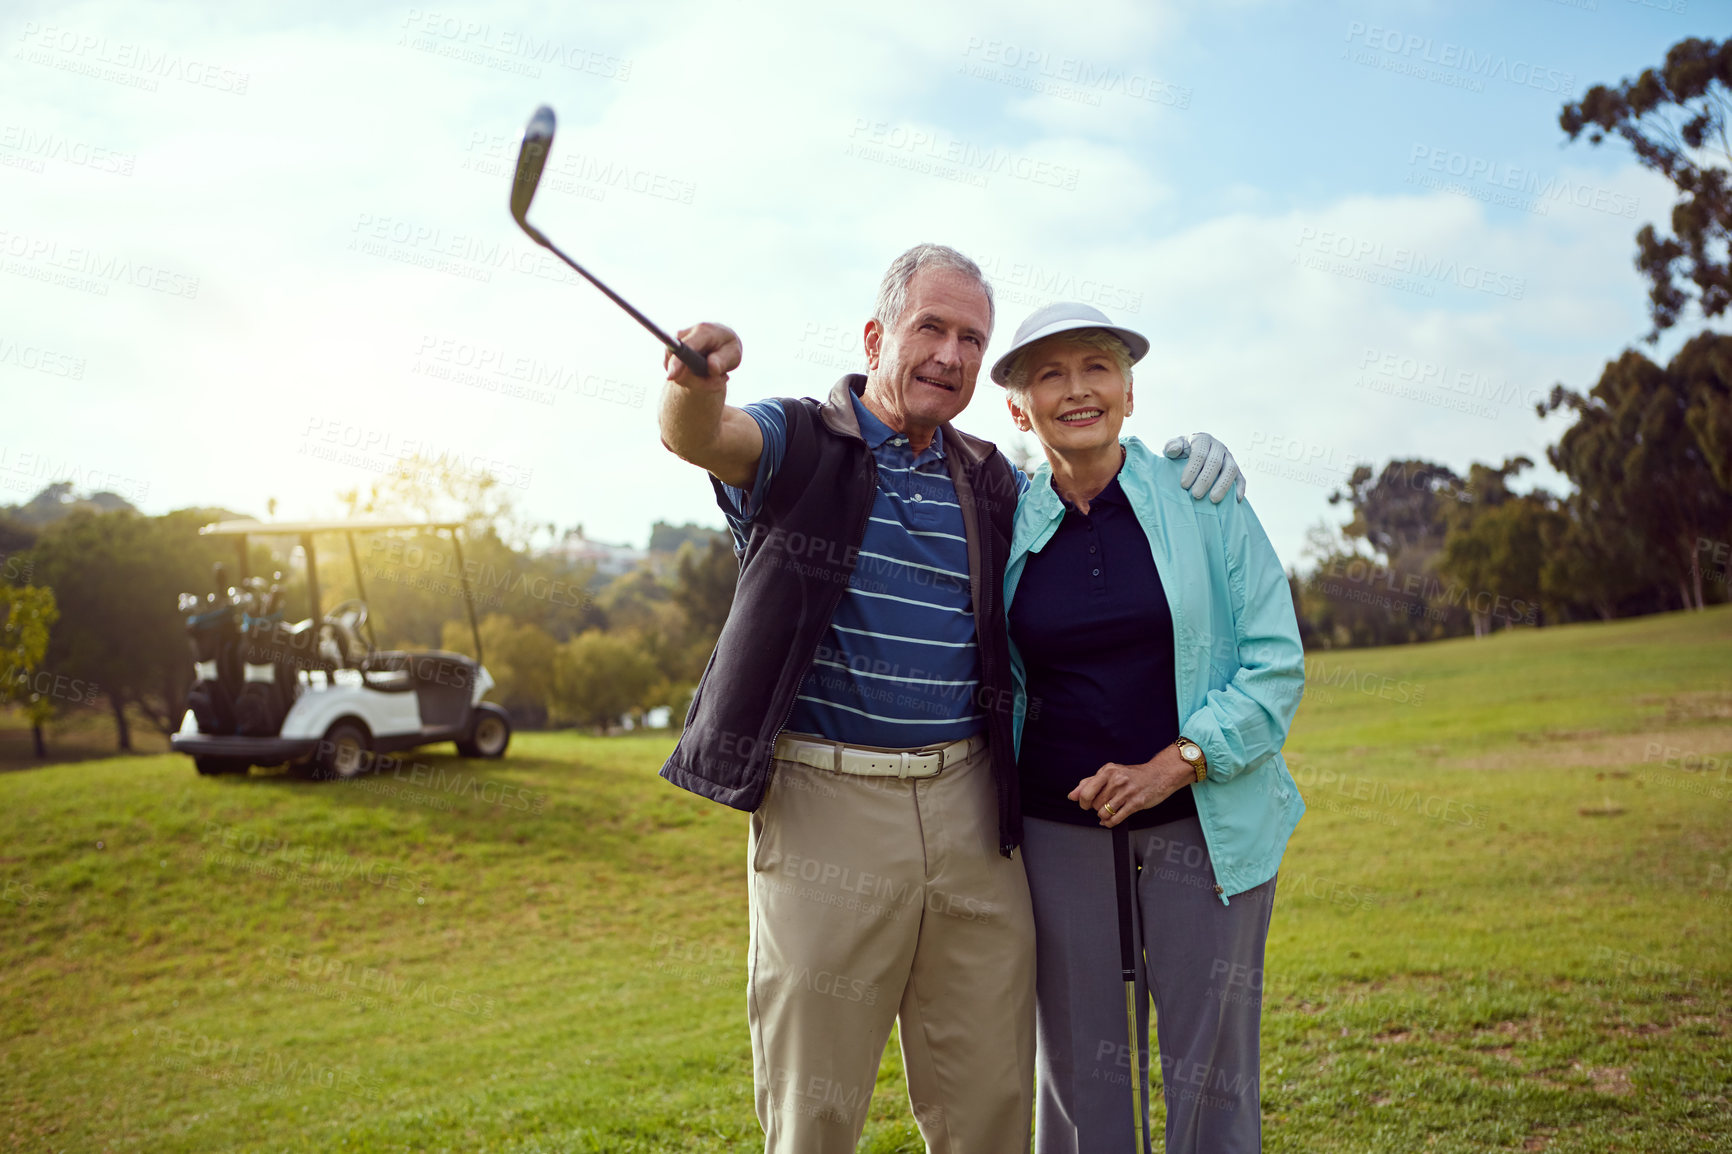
[
  {"x": 1218, "y": 889},
  {"x": 1097, "y": 573},
  {"x": 917, "y": 496}
]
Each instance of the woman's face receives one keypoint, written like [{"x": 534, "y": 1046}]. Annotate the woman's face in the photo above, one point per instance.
[{"x": 1077, "y": 398}]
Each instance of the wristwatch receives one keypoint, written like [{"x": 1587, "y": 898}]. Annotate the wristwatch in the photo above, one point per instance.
[{"x": 1193, "y": 755}]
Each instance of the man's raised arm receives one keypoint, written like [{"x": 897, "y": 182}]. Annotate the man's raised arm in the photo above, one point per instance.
[{"x": 697, "y": 423}]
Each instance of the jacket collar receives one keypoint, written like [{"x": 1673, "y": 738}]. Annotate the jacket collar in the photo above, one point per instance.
[
  {"x": 837, "y": 413},
  {"x": 1042, "y": 504}
]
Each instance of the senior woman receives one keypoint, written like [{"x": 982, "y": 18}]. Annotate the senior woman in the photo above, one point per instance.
[{"x": 1158, "y": 666}]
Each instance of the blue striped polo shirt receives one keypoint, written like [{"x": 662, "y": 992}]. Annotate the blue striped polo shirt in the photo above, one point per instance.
[{"x": 899, "y": 666}]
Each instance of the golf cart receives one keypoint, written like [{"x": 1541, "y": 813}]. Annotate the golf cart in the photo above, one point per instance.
[{"x": 313, "y": 693}]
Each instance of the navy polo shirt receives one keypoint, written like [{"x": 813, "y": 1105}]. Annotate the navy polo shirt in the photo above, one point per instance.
[{"x": 1091, "y": 622}]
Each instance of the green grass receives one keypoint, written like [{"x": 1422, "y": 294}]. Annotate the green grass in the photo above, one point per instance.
[{"x": 1503, "y": 925}]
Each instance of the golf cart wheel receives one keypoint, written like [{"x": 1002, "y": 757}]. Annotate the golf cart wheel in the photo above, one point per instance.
[
  {"x": 346, "y": 751},
  {"x": 490, "y": 734},
  {"x": 218, "y": 766}
]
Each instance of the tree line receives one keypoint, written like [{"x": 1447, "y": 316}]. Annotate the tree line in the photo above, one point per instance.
[
  {"x": 89, "y": 591},
  {"x": 1428, "y": 553}
]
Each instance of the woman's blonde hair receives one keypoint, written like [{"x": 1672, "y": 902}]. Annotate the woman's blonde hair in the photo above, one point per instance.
[{"x": 1098, "y": 340}]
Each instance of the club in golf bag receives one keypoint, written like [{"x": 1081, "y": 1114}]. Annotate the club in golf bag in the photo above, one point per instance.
[
  {"x": 213, "y": 630},
  {"x": 531, "y": 159}
]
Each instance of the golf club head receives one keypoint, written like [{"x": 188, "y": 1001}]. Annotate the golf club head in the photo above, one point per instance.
[{"x": 531, "y": 158}]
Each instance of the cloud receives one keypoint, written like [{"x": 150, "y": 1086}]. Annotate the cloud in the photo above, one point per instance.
[{"x": 358, "y": 275}]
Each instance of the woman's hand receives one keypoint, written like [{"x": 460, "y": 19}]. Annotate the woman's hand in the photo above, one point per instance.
[{"x": 1129, "y": 788}]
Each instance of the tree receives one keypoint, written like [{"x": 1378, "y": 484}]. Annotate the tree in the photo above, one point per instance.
[
  {"x": 1637, "y": 460},
  {"x": 1704, "y": 365},
  {"x": 638, "y": 601},
  {"x": 445, "y": 488},
  {"x": 414, "y": 584},
  {"x": 115, "y": 578},
  {"x": 600, "y": 677},
  {"x": 668, "y": 538},
  {"x": 1675, "y": 121},
  {"x": 15, "y": 538},
  {"x": 704, "y": 583},
  {"x": 57, "y": 500},
  {"x": 1400, "y": 512},
  {"x": 1596, "y": 565},
  {"x": 1494, "y": 550},
  {"x": 1352, "y": 599},
  {"x": 26, "y": 614}
]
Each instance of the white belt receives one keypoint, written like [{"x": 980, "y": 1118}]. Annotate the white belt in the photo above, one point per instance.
[{"x": 839, "y": 758}]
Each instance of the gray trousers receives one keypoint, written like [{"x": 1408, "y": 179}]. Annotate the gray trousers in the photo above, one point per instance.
[{"x": 1203, "y": 962}]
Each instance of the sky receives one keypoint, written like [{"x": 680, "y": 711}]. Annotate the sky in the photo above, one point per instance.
[{"x": 255, "y": 252}]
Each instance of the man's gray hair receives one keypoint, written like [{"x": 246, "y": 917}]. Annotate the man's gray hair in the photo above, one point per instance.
[{"x": 893, "y": 290}]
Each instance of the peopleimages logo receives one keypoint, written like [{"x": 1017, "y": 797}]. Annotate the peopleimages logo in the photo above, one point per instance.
[
  {"x": 1068, "y": 77},
  {"x": 506, "y": 48},
  {"x": 40, "y": 360},
  {"x": 1042, "y": 285},
  {"x": 1416, "y": 54},
  {"x": 38, "y": 147},
  {"x": 134, "y": 65},
  {"x": 1500, "y": 177},
  {"x": 104, "y": 268},
  {"x": 1437, "y": 376},
  {"x": 1406, "y": 262},
  {"x": 890, "y": 143}
]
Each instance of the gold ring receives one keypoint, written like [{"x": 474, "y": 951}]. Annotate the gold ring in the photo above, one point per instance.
[{"x": 1108, "y": 809}]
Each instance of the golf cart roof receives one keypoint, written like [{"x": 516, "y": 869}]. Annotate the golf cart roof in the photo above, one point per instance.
[{"x": 246, "y": 528}]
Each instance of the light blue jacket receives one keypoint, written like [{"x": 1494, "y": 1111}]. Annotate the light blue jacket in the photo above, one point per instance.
[{"x": 1239, "y": 665}]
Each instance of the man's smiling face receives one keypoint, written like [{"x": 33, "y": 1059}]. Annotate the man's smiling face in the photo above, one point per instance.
[{"x": 922, "y": 369}]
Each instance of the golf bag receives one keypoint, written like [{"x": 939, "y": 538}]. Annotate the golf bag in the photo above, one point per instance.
[
  {"x": 243, "y": 656},
  {"x": 213, "y": 636},
  {"x": 269, "y": 683}
]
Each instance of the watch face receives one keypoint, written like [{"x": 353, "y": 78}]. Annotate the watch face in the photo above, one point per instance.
[{"x": 1190, "y": 752}]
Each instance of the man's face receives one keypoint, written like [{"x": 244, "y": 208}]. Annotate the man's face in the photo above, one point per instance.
[{"x": 921, "y": 370}]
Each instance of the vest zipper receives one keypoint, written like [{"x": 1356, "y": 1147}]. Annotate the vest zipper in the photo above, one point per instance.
[{"x": 985, "y": 605}]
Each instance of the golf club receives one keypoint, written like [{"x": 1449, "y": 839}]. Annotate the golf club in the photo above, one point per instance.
[
  {"x": 1128, "y": 970},
  {"x": 531, "y": 158}
]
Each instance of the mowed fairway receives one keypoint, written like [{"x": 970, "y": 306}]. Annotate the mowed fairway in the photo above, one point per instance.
[{"x": 1505, "y": 924}]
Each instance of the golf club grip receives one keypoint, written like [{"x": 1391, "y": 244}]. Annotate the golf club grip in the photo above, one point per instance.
[
  {"x": 1125, "y": 885},
  {"x": 690, "y": 358}
]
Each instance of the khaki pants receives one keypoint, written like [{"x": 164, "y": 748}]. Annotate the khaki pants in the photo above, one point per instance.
[{"x": 875, "y": 899}]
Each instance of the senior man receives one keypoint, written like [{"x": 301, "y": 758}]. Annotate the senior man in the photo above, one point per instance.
[{"x": 858, "y": 705}]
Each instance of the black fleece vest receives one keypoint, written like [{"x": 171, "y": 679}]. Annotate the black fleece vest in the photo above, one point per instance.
[{"x": 802, "y": 549}]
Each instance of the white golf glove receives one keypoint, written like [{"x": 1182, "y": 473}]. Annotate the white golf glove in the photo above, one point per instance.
[{"x": 1210, "y": 464}]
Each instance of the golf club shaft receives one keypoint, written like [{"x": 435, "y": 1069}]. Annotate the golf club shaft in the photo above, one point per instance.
[
  {"x": 680, "y": 349},
  {"x": 1125, "y": 887}
]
